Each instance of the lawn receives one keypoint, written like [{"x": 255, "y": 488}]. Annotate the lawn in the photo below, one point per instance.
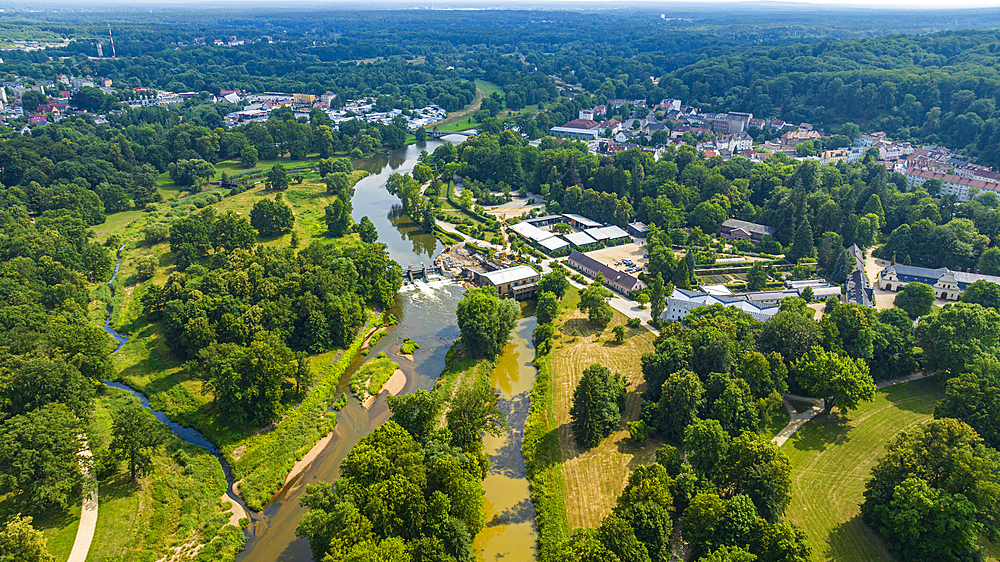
[
  {"x": 832, "y": 458},
  {"x": 59, "y": 527},
  {"x": 593, "y": 479}
]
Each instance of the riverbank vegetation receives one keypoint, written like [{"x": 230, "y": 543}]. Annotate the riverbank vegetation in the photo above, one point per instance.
[{"x": 412, "y": 489}]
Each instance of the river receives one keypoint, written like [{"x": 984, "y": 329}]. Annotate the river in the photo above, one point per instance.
[{"x": 426, "y": 314}]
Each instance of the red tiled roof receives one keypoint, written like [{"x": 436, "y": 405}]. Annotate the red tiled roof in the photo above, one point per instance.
[{"x": 585, "y": 124}]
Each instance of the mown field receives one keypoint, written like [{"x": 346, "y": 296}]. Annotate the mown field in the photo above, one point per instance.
[
  {"x": 832, "y": 458},
  {"x": 593, "y": 479}
]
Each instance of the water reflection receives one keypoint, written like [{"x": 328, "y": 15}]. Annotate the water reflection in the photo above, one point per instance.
[{"x": 510, "y": 516}]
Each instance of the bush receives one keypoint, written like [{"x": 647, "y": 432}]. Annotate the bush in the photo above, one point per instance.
[
  {"x": 638, "y": 430},
  {"x": 633, "y": 323}
]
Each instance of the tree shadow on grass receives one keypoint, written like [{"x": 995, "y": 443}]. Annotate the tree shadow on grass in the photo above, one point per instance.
[
  {"x": 117, "y": 486},
  {"x": 581, "y": 326},
  {"x": 642, "y": 453},
  {"x": 822, "y": 432},
  {"x": 918, "y": 396},
  {"x": 854, "y": 540}
]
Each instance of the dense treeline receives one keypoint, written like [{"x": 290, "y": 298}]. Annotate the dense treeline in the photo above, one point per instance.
[{"x": 51, "y": 357}]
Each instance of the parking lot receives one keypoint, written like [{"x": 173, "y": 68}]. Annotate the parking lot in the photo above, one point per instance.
[{"x": 615, "y": 256}]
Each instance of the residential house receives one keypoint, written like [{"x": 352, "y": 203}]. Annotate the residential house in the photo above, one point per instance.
[{"x": 794, "y": 138}]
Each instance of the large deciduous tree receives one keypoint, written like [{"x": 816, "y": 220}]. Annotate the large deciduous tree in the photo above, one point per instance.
[
  {"x": 134, "y": 435},
  {"x": 594, "y": 301},
  {"x": 839, "y": 380},
  {"x": 485, "y": 321},
  {"x": 974, "y": 398},
  {"x": 246, "y": 381},
  {"x": 38, "y": 457},
  {"x": 957, "y": 335},
  {"x": 916, "y": 299},
  {"x": 598, "y": 401},
  {"x": 272, "y": 217}
]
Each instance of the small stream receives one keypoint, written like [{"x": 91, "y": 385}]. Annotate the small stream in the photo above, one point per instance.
[{"x": 187, "y": 434}]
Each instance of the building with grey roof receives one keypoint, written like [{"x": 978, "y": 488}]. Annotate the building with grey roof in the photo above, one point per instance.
[
  {"x": 734, "y": 229},
  {"x": 519, "y": 282},
  {"x": 613, "y": 279}
]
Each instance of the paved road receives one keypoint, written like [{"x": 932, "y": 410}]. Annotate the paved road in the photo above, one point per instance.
[{"x": 88, "y": 516}]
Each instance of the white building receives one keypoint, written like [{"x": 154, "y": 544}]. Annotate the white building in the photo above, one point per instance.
[{"x": 682, "y": 302}]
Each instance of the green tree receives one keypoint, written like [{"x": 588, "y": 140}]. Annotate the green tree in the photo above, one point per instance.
[
  {"x": 758, "y": 468},
  {"x": 989, "y": 262},
  {"x": 619, "y": 332},
  {"x": 248, "y": 157},
  {"x": 20, "y": 542},
  {"x": 874, "y": 207},
  {"x": 620, "y": 539},
  {"x": 802, "y": 244},
  {"x": 594, "y": 301},
  {"x": 848, "y": 328},
  {"x": 421, "y": 134},
  {"x": 28, "y": 382},
  {"x": 657, "y": 298},
  {"x": 927, "y": 505},
  {"x": 790, "y": 334},
  {"x": 957, "y": 335},
  {"x": 756, "y": 277},
  {"x": 555, "y": 282},
  {"x": 31, "y": 100},
  {"x": 807, "y": 294},
  {"x": 916, "y": 299},
  {"x": 485, "y": 321},
  {"x": 974, "y": 398},
  {"x": 598, "y": 401},
  {"x": 38, "y": 457},
  {"x": 681, "y": 397},
  {"x": 135, "y": 433},
  {"x": 337, "y": 182},
  {"x": 366, "y": 230},
  {"x": 682, "y": 275},
  {"x": 338, "y": 218},
  {"x": 231, "y": 231},
  {"x": 474, "y": 410},
  {"x": 416, "y": 412},
  {"x": 839, "y": 380},
  {"x": 547, "y": 307},
  {"x": 277, "y": 178},
  {"x": 984, "y": 293},
  {"x": 247, "y": 381},
  {"x": 730, "y": 554},
  {"x": 272, "y": 217},
  {"x": 706, "y": 443}
]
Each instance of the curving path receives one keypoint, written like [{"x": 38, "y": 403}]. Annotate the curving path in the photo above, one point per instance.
[
  {"x": 798, "y": 420},
  {"x": 88, "y": 515}
]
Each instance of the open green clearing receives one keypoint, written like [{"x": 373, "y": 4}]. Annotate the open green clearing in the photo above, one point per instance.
[{"x": 832, "y": 458}]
